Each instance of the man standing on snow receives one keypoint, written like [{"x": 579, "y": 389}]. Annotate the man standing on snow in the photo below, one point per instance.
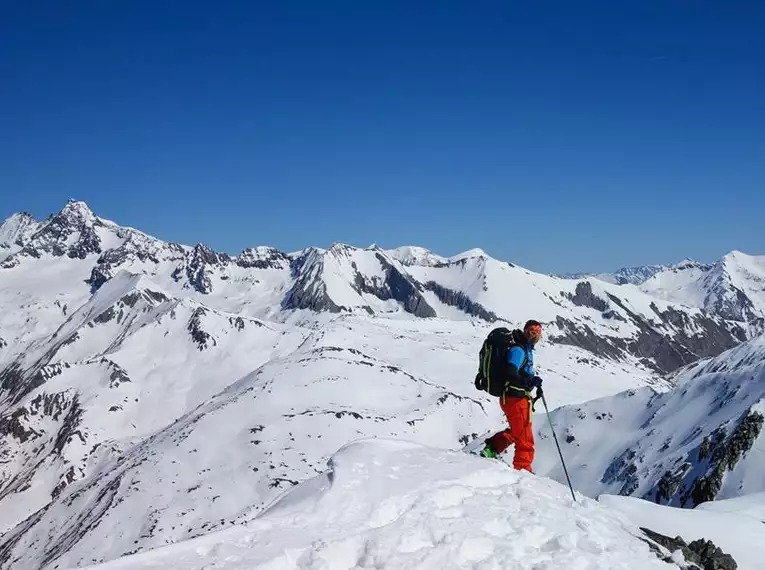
[{"x": 516, "y": 401}]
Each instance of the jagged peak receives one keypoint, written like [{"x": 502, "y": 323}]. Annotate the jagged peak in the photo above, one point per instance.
[
  {"x": 19, "y": 217},
  {"x": 78, "y": 210},
  {"x": 689, "y": 263},
  {"x": 340, "y": 247},
  {"x": 17, "y": 226}
]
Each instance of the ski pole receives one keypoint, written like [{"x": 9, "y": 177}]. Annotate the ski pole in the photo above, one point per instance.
[{"x": 552, "y": 429}]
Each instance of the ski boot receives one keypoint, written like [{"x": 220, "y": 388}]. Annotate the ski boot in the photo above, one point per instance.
[{"x": 488, "y": 452}]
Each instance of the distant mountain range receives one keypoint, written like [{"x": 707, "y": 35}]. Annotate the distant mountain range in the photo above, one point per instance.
[{"x": 182, "y": 389}]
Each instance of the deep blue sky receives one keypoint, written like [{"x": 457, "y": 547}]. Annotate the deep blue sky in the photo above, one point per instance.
[{"x": 562, "y": 136}]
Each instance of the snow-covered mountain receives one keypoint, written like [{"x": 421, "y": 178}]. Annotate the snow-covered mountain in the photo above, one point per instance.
[
  {"x": 609, "y": 320},
  {"x": 732, "y": 288},
  {"x": 699, "y": 442},
  {"x": 634, "y": 275},
  {"x": 151, "y": 392}
]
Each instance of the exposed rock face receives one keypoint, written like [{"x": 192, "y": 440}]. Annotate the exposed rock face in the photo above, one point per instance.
[
  {"x": 734, "y": 305},
  {"x": 136, "y": 248},
  {"x": 309, "y": 291},
  {"x": 198, "y": 334},
  {"x": 724, "y": 453},
  {"x": 397, "y": 286},
  {"x": 200, "y": 267},
  {"x": 584, "y": 297},
  {"x": 262, "y": 258},
  {"x": 71, "y": 232},
  {"x": 461, "y": 301},
  {"x": 679, "y": 338},
  {"x": 702, "y": 554}
]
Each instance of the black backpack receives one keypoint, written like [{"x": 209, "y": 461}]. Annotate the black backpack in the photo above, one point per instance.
[{"x": 492, "y": 360}]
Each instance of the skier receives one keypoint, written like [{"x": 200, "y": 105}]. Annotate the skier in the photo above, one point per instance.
[{"x": 516, "y": 402}]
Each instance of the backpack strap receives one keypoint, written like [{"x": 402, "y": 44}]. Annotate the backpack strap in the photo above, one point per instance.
[{"x": 512, "y": 387}]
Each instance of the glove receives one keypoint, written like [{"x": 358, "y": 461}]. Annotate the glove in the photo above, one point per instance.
[{"x": 536, "y": 382}]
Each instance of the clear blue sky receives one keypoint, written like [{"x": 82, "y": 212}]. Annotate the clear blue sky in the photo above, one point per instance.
[{"x": 562, "y": 136}]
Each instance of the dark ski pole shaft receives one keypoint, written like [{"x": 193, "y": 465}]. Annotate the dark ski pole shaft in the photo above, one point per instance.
[{"x": 555, "y": 437}]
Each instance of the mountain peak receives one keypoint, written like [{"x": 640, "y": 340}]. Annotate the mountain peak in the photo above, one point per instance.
[
  {"x": 17, "y": 228},
  {"x": 414, "y": 255},
  {"x": 77, "y": 210},
  {"x": 470, "y": 253}
]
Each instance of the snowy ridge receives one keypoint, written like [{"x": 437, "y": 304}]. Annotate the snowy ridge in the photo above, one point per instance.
[
  {"x": 394, "y": 504},
  {"x": 699, "y": 442},
  {"x": 612, "y": 321},
  {"x": 634, "y": 275}
]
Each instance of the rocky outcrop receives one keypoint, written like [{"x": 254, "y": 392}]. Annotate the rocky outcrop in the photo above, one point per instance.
[
  {"x": 584, "y": 297},
  {"x": 724, "y": 453},
  {"x": 397, "y": 286},
  {"x": 309, "y": 291},
  {"x": 262, "y": 258},
  {"x": 623, "y": 470},
  {"x": 137, "y": 248},
  {"x": 678, "y": 339},
  {"x": 583, "y": 336},
  {"x": 733, "y": 304},
  {"x": 701, "y": 554},
  {"x": 710, "y": 335},
  {"x": 461, "y": 301},
  {"x": 201, "y": 337},
  {"x": 200, "y": 267}
]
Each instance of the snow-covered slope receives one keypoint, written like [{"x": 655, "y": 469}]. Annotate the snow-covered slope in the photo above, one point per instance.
[
  {"x": 182, "y": 389},
  {"x": 98, "y": 385},
  {"x": 394, "y": 505},
  {"x": 155, "y": 461},
  {"x": 750, "y": 505},
  {"x": 699, "y": 442}
]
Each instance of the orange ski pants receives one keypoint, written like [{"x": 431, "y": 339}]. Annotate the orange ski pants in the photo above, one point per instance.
[{"x": 518, "y": 414}]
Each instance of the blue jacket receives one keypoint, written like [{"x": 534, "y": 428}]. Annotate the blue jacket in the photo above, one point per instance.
[{"x": 526, "y": 371}]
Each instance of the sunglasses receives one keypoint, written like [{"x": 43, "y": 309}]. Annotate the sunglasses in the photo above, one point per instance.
[{"x": 534, "y": 331}]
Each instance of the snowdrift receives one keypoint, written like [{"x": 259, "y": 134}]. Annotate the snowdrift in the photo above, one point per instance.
[{"x": 389, "y": 505}]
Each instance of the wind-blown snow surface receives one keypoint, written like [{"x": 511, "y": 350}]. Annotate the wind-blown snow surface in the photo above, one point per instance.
[
  {"x": 394, "y": 505},
  {"x": 701, "y": 441}
]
